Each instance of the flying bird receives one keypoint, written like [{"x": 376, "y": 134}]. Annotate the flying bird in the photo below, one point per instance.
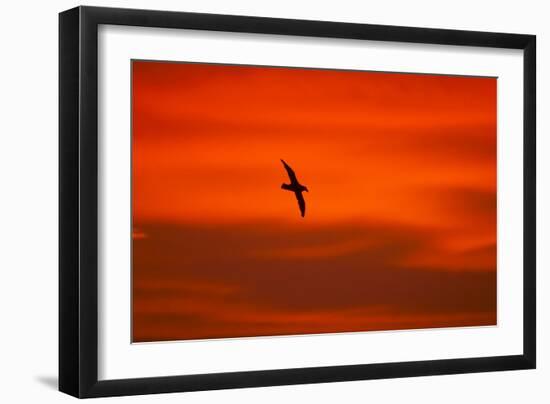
[{"x": 295, "y": 187}]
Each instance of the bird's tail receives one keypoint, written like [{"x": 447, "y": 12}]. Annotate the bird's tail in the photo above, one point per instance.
[{"x": 287, "y": 187}]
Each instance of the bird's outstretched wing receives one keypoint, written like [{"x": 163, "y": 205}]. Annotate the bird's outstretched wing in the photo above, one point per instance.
[
  {"x": 290, "y": 172},
  {"x": 301, "y": 203}
]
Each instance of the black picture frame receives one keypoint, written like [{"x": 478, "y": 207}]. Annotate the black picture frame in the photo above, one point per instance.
[{"x": 78, "y": 201}]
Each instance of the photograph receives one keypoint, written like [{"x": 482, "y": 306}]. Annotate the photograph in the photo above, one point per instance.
[
  {"x": 272, "y": 200},
  {"x": 266, "y": 202},
  {"x": 258, "y": 200}
]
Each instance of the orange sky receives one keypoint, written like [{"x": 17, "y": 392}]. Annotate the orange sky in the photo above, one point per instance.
[{"x": 400, "y": 229}]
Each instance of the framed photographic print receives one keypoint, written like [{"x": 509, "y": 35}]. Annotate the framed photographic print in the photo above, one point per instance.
[{"x": 250, "y": 201}]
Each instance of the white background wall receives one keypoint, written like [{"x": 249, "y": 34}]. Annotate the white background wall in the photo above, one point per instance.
[{"x": 28, "y": 199}]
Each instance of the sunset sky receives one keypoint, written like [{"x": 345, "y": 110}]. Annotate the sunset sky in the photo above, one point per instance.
[{"x": 400, "y": 228}]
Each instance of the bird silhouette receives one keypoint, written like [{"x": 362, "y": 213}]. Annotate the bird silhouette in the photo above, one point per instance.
[{"x": 295, "y": 187}]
